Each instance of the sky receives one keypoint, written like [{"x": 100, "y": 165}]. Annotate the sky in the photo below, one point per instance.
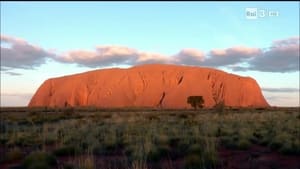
[{"x": 41, "y": 40}]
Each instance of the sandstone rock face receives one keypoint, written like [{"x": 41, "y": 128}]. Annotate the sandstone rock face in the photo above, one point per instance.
[{"x": 153, "y": 85}]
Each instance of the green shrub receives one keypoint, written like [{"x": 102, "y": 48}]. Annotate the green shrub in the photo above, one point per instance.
[
  {"x": 87, "y": 163},
  {"x": 162, "y": 139},
  {"x": 65, "y": 151},
  {"x": 39, "y": 160},
  {"x": 183, "y": 116},
  {"x": 13, "y": 154},
  {"x": 180, "y": 150},
  {"x": 296, "y": 145},
  {"x": 106, "y": 116},
  {"x": 68, "y": 111},
  {"x": 279, "y": 141},
  {"x": 98, "y": 150},
  {"x": 290, "y": 148},
  {"x": 172, "y": 114},
  {"x": 3, "y": 141},
  {"x": 109, "y": 149},
  {"x": 193, "y": 162},
  {"x": 210, "y": 159},
  {"x": 39, "y": 165},
  {"x": 133, "y": 153},
  {"x": 156, "y": 154},
  {"x": 26, "y": 139},
  {"x": 256, "y": 137},
  {"x": 243, "y": 144},
  {"x": 50, "y": 139},
  {"x": 223, "y": 131},
  {"x": 265, "y": 140},
  {"x": 219, "y": 107},
  {"x": 287, "y": 148},
  {"x": 235, "y": 143},
  {"x": 173, "y": 141},
  {"x": 276, "y": 144},
  {"x": 32, "y": 113},
  {"x": 68, "y": 166},
  {"x": 195, "y": 149},
  {"x": 129, "y": 150},
  {"x": 228, "y": 142},
  {"x": 152, "y": 117},
  {"x": 200, "y": 157}
]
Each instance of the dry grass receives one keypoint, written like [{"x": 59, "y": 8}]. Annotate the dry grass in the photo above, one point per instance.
[{"x": 146, "y": 136}]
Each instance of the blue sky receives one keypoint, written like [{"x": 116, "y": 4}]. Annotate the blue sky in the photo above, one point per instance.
[{"x": 59, "y": 38}]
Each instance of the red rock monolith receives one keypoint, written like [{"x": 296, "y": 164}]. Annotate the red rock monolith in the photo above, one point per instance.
[{"x": 152, "y": 85}]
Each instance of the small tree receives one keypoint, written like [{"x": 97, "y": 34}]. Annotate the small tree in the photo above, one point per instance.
[{"x": 195, "y": 101}]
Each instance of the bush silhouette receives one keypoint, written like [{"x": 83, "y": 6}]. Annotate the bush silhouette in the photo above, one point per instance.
[
  {"x": 39, "y": 159},
  {"x": 219, "y": 106},
  {"x": 195, "y": 101}
]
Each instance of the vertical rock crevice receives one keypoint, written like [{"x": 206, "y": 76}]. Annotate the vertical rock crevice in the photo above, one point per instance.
[
  {"x": 51, "y": 89},
  {"x": 51, "y": 92},
  {"x": 218, "y": 89},
  {"x": 208, "y": 76},
  {"x": 180, "y": 80},
  {"x": 89, "y": 92},
  {"x": 163, "y": 77},
  {"x": 161, "y": 99},
  {"x": 143, "y": 80}
]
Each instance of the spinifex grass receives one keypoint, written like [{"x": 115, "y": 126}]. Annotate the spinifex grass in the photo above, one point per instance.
[{"x": 147, "y": 138}]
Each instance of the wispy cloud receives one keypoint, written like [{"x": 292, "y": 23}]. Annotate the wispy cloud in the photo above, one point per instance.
[
  {"x": 17, "y": 94},
  {"x": 281, "y": 89},
  {"x": 281, "y": 56},
  {"x": 13, "y": 73},
  {"x": 284, "y": 99}
]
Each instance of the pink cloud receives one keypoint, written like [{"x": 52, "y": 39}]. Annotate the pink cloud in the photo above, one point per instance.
[
  {"x": 282, "y": 56},
  {"x": 237, "y": 50},
  {"x": 21, "y": 54},
  {"x": 189, "y": 56}
]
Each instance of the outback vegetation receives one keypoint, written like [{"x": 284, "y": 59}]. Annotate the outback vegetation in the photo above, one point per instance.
[{"x": 88, "y": 138}]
